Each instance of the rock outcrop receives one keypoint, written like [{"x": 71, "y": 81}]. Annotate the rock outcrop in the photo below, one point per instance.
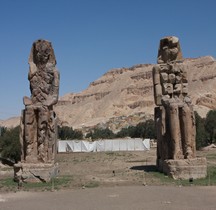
[{"x": 123, "y": 97}]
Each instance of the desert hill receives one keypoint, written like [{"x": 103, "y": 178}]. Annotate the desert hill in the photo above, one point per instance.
[
  {"x": 124, "y": 96},
  {"x": 10, "y": 122}
]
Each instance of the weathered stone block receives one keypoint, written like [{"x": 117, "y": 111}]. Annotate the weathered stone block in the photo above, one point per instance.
[
  {"x": 39, "y": 172},
  {"x": 177, "y": 88},
  {"x": 185, "y": 88},
  {"x": 172, "y": 78},
  {"x": 195, "y": 168},
  {"x": 167, "y": 88},
  {"x": 164, "y": 77}
]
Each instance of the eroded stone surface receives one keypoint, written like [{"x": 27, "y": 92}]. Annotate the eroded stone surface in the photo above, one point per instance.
[
  {"x": 194, "y": 168},
  {"x": 174, "y": 115},
  {"x": 34, "y": 172},
  {"x": 38, "y": 121}
]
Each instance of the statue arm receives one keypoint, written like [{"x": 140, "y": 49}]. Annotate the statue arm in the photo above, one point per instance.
[
  {"x": 32, "y": 70},
  {"x": 56, "y": 86},
  {"x": 157, "y": 85}
]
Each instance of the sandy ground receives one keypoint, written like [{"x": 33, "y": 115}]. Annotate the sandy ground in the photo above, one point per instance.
[
  {"x": 107, "y": 168},
  {"x": 119, "y": 198},
  {"x": 113, "y": 180},
  {"x": 113, "y": 168}
]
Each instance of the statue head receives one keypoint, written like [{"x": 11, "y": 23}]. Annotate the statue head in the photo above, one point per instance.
[
  {"x": 169, "y": 50},
  {"x": 42, "y": 53}
]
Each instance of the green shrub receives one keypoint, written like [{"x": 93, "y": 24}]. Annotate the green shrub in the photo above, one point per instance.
[
  {"x": 141, "y": 130},
  {"x": 99, "y": 133},
  {"x": 68, "y": 133},
  {"x": 201, "y": 134},
  {"x": 210, "y": 126},
  {"x": 10, "y": 147}
]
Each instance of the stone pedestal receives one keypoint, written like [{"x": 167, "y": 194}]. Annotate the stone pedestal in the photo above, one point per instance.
[
  {"x": 195, "y": 168},
  {"x": 28, "y": 172}
]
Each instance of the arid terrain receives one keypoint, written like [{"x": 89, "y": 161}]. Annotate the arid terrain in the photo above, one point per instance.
[
  {"x": 117, "y": 198},
  {"x": 118, "y": 168},
  {"x": 108, "y": 169},
  {"x": 113, "y": 180}
]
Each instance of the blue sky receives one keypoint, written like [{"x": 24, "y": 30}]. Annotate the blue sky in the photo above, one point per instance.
[{"x": 92, "y": 36}]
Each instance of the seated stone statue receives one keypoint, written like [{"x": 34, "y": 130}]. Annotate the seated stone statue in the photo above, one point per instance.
[
  {"x": 38, "y": 123},
  {"x": 174, "y": 115}
]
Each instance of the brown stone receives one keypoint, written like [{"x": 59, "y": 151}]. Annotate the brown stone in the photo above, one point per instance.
[
  {"x": 39, "y": 172},
  {"x": 38, "y": 121},
  {"x": 194, "y": 168},
  {"x": 169, "y": 50},
  {"x": 174, "y": 118}
]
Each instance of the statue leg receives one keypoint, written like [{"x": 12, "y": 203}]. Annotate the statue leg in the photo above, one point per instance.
[
  {"x": 175, "y": 134},
  {"x": 52, "y": 137},
  {"x": 30, "y": 135},
  {"x": 160, "y": 123},
  {"x": 43, "y": 117},
  {"x": 166, "y": 133},
  {"x": 21, "y": 135},
  {"x": 157, "y": 116},
  {"x": 188, "y": 131}
]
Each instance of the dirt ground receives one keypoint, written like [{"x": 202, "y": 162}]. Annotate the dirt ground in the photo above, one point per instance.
[
  {"x": 106, "y": 168},
  {"x": 115, "y": 198},
  {"x": 113, "y": 180},
  {"x": 115, "y": 168}
]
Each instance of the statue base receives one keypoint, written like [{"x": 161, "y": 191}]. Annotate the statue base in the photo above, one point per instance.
[
  {"x": 194, "y": 168},
  {"x": 35, "y": 172}
]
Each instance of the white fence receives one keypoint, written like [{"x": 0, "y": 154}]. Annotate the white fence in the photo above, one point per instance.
[{"x": 135, "y": 144}]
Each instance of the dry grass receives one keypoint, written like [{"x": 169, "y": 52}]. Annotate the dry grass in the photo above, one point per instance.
[{"x": 88, "y": 170}]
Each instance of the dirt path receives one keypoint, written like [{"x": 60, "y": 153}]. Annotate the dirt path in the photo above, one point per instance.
[{"x": 115, "y": 198}]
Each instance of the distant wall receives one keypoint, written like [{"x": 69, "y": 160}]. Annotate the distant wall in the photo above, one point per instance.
[{"x": 106, "y": 145}]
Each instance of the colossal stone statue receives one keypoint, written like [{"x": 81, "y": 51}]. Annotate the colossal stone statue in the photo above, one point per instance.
[
  {"x": 174, "y": 116},
  {"x": 38, "y": 122}
]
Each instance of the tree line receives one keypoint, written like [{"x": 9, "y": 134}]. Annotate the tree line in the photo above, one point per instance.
[
  {"x": 141, "y": 130},
  {"x": 205, "y": 129}
]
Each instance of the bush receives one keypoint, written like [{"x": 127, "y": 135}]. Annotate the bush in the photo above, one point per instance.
[
  {"x": 10, "y": 147},
  {"x": 141, "y": 130},
  {"x": 99, "y": 133},
  {"x": 210, "y": 126},
  {"x": 68, "y": 133},
  {"x": 125, "y": 132},
  {"x": 148, "y": 129},
  {"x": 201, "y": 134}
]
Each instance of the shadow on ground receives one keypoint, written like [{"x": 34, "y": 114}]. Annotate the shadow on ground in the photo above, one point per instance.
[{"x": 148, "y": 168}]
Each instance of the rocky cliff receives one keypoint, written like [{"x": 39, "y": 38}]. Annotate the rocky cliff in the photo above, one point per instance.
[{"x": 124, "y": 96}]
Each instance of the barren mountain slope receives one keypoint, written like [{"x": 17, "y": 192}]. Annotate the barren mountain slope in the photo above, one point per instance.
[
  {"x": 124, "y": 96},
  {"x": 10, "y": 122}
]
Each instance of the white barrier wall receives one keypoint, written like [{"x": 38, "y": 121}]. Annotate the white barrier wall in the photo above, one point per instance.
[{"x": 106, "y": 145}]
